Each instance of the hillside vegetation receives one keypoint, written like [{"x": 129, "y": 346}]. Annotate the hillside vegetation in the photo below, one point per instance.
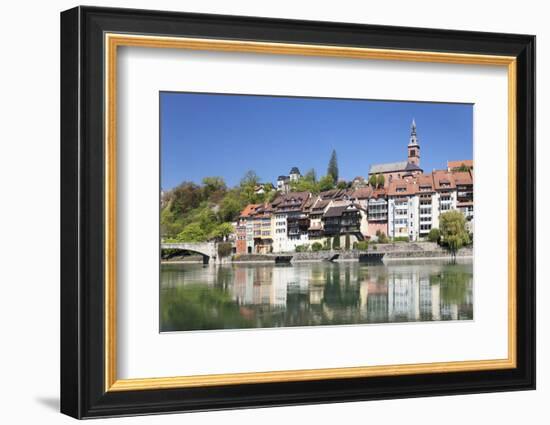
[{"x": 196, "y": 213}]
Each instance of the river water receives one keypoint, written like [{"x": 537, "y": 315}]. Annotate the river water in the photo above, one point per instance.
[{"x": 237, "y": 296}]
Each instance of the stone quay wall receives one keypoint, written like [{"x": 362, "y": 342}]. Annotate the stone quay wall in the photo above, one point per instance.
[{"x": 395, "y": 250}]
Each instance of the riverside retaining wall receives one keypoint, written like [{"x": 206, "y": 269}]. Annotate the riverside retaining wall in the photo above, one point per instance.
[{"x": 393, "y": 250}]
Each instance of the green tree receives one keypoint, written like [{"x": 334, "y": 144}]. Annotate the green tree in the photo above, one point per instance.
[
  {"x": 336, "y": 242},
  {"x": 332, "y": 168},
  {"x": 250, "y": 178},
  {"x": 453, "y": 231},
  {"x": 269, "y": 193},
  {"x": 311, "y": 175},
  {"x": 221, "y": 231},
  {"x": 327, "y": 246},
  {"x": 304, "y": 185},
  {"x": 248, "y": 187},
  {"x": 207, "y": 219},
  {"x": 316, "y": 246},
  {"x": 185, "y": 197},
  {"x": 170, "y": 223},
  {"x": 342, "y": 184},
  {"x": 347, "y": 243},
  {"x": 192, "y": 233},
  {"x": 434, "y": 235},
  {"x": 380, "y": 180},
  {"x": 213, "y": 184},
  {"x": 326, "y": 183},
  {"x": 373, "y": 181},
  {"x": 230, "y": 206}
]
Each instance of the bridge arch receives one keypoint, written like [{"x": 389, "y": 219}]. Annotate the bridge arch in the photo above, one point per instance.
[{"x": 208, "y": 250}]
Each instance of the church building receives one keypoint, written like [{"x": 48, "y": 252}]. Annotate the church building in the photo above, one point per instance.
[{"x": 401, "y": 169}]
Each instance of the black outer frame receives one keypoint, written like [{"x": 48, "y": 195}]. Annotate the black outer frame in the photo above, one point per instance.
[{"x": 82, "y": 212}]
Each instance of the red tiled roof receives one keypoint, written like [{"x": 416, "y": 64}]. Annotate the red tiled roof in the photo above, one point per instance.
[
  {"x": 457, "y": 164},
  {"x": 290, "y": 201},
  {"x": 362, "y": 193},
  {"x": 381, "y": 192},
  {"x": 442, "y": 179},
  {"x": 249, "y": 210},
  {"x": 463, "y": 178},
  {"x": 401, "y": 187}
]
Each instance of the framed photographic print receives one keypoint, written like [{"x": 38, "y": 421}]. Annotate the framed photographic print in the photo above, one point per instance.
[{"x": 261, "y": 212}]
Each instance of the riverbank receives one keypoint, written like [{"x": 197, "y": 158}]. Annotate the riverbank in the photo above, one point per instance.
[{"x": 390, "y": 251}]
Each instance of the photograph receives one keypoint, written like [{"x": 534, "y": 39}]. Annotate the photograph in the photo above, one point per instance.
[
  {"x": 263, "y": 210},
  {"x": 280, "y": 211}
]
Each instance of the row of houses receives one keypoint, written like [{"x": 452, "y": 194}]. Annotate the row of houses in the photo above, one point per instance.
[{"x": 407, "y": 207}]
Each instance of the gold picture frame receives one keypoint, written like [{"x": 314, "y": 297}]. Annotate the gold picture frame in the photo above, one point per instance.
[{"x": 114, "y": 41}]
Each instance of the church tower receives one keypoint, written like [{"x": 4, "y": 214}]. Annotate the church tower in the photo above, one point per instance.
[{"x": 414, "y": 147}]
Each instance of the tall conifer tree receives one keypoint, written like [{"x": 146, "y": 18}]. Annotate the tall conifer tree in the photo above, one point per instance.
[{"x": 332, "y": 169}]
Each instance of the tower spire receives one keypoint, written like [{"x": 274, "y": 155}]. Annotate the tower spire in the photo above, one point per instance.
[
  {"x": 413, "y": 139},
  {"x": 414, "y": 147}
]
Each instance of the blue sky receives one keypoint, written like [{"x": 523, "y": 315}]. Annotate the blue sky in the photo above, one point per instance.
[{"x": 227, "y": 135}]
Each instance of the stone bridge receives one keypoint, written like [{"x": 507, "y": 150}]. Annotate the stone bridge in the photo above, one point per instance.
[{"x": 208, "y": 250}]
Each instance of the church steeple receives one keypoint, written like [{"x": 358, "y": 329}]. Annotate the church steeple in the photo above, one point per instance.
[
  {"x": 414, "y": 147},
  {"x": 413, "y": 140}
]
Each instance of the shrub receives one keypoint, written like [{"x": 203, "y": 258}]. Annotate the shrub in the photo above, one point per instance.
[
  {"x": 401, "y": 239},
  {"x": 362, "y": 245},
  {"x": 382, "y": 238},
  {"x": 302, "y": 248},
  {"x": 434, "y": 235},
  {"x": 327, "y": 245},
  {"x": 347, "y": 243},
  {"x": 316, "y": 246},
  {"x": 336, "y": 242},
  {"x": 224, "y": 249}
]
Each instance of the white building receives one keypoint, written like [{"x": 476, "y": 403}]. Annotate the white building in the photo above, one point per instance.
[
  {"x": 294, "y": 174},
  {"x": 403, "y": 210},
  {"x": 289, "y": 222},
  {"x": 416, "y": 203},
  {"x": 283, "y": 184}
]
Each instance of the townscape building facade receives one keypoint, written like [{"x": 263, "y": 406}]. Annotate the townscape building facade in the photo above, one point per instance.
[{"x": 406, "y": 205}]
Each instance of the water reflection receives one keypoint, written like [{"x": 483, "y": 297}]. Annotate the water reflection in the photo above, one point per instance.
[{"x": 196, "y": 297}]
